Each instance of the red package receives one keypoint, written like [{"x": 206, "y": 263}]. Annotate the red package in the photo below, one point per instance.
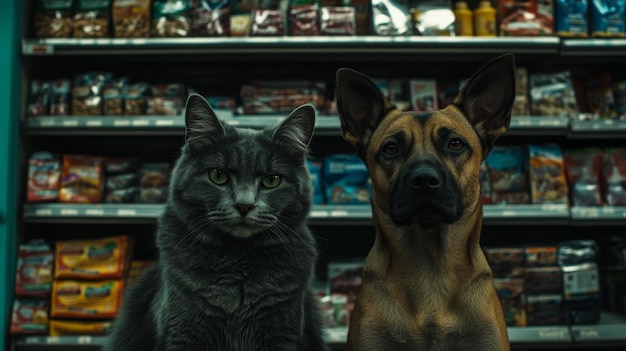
[
  {"x": 44, "y": 171},
  {"x": 582, "y": 167},
  {"x": 267, "y": 23},
  {"x": 303, "y": 20},
  {"x": 81, "y": 179},
  {"x": 33, "y": 276},
  {"x": 30, "y": 317},
  {"x": 614, "y": 175}
]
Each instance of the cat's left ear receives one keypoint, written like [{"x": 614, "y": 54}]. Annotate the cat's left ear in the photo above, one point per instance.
[
  {"x": 201, "y": 122},
  {"x": 297, "y": 130}
]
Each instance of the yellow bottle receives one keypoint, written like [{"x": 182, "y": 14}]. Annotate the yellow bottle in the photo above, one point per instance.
[
  {"x": 463, "y": 19},
  {"x": 485, "y": 20}
]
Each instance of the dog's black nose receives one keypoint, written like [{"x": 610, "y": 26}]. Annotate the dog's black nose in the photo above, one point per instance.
[{"x": 425, "y": 178}]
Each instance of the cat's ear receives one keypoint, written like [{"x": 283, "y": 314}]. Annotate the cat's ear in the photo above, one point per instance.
[
  {"x": 297, "y": 130},
  {"x": 201, "y": 122}
]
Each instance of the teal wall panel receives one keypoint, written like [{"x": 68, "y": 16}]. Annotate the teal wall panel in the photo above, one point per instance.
[{"x": 9, "y": 106}]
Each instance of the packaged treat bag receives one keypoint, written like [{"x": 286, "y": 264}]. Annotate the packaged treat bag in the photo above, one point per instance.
[
  {"x": 391, "y": 17},
  {"x": 71, "y": 327},
  {"x": 583, "y": 167},
  {"x": 82, "y": 179},
  {"x": 571, "y": 18},
  {"x": 347, "y": 180},
  {"x": 170, "y": 18},
  {"x": 53, "y": 19},
  {"x": 508, "y": 175},
  {"x": 607, "y": 18},
  {"x": 545, "y": 310},
  {"x": 432, "y": 17},
  {"x": 552, "y": 94},
  {"x": 61, "y": 90},
  {"x": 131, "y": 18},
  {"x": 86, "y": 299},
  {"x": 511, "y": 294},
  {"x": 547, "y": 174},
  {"x": 614, "y": 176},
  {"x": 91, "y": 18},
  {"x": 303, "y": 18},
  {"x": 210, "y": 18},
  {"x": 92, "y": 259},
  {"x": 38, "y": 99},
  {"x": 506, "y": 262},
  {"x": 315, "y": 168},
  {"x": 35, "y": 264},
  {"x": 526, "y": 18},
  {"x": 30, "y": 316},
  {"x": 44, "y": 175}
]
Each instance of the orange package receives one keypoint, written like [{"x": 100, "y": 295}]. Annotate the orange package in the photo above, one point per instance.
[
  {"x": 63, "y": 327},
  {"x": 81, "y": 179},
  {"x": 105, "y": 258},
  {"x": 85, "y": 299}
]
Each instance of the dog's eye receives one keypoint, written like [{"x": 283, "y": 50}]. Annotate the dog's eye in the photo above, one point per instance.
[
  {"x": 456, "y": 144},
  {"x": 390, "y": 149}
]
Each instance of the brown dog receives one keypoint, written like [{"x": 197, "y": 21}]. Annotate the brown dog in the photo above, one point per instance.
[{"x": 426, "y": 282}]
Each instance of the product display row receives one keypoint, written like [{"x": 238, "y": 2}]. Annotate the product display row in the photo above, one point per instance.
[
  {"x": 183, "y": 18},
  {"x": 581, "y": 96}
]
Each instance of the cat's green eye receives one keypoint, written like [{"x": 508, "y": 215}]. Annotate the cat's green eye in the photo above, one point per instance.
[
  {"x": 271, "y": 181},
  {"x": 217, "y": 176}
]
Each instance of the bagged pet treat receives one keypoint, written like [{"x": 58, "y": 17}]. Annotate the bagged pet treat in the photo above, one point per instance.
[
  {"x": 337, "y": 20},
  {"x": 81, "y": 179},
  {"x": 91, "y": 18},
  {"x": 53, "y": 19},
  {"x": 614, "y": 176},
  {"x": 508, "y": 177},
  {"x": 267, "y": 22},
  {"x": 526, "y": 18},
  {"x": 391, "y": 17},
  {"x": 135, "y": 98},
  {"x": 599, "y": 100},
  {"x": 347, "y": 180},
  {"x": 210, "y": 18},
  {"x": 94, "y": 259},
  {"x": 541, "y": 256},
  {"x": 30, "y": 316},
  {"x": 35, "y": 263},
  {"x": 69, "y": 327},
  {"x": 521, "y": 106},
  {"x": 113, "y": 97},
  {"x": 571, "y": 18},
  {"x": 44, "y": 174},
  {"x": 170, "y": 18},
  {"x": 280, "y": 97},
  {"x": 552, "y": 94},
  {"x": 60, "y": 98},
  {"x": 583, "y": 167},
  {"x": 315, "y": 168},
  {"x": 131, "y": 18},
  {"x": 424, "y": 94},
  {"x": 38, "y": 99},
  {"x": 511, "y": 294},
  {"x": 303, "y": 18},
  {"x": 154, "y": 181},
  {"x": 166, "y": 100},
  {"x": 607, "y": 18},
  {"x": 87, "y": 93},
  {"x": 572, "y": 252},
  {"x": 86, "y": 299},
  {"x": 547, "y": 174}
]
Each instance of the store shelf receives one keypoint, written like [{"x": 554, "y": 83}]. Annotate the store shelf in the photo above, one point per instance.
[
  {"x": 557, "y": 214},
  {"x": 594, "y": 215},
  {"x": 611, "y": 331},
  {"x": 318, "y": 45},
  {"x": 538, "y": 125},
  {"x": 92, "y": 213},
  {"x": 598, "y": 128},
  {"x": 60, "y": 343},
  {"x": 540, "y": 337},
  {"x": 593, "y": 47}
]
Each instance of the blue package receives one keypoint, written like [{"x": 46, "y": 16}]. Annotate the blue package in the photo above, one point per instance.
[
  {"x": 315, "y": 170},
  {"x": 509, "y": 184},
  {"x": 347, "y": 180},
  {"x": 571, "y": 18},
  {"x": 607, "y": 18}
]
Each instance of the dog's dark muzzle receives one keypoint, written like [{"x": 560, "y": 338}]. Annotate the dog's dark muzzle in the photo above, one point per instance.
[{"x": 425, "y": 193}]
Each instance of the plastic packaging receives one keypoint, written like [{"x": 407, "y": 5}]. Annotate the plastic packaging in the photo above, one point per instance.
[{"x": 485, "y": 20}]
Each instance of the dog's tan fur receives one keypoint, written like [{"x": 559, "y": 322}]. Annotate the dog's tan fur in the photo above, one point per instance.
[{"x": 425, "y": 287}]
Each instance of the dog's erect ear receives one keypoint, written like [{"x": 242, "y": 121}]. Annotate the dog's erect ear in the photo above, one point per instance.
[
  {"x": 487, "y": 99},
  {"x": 361, "y": 106}
]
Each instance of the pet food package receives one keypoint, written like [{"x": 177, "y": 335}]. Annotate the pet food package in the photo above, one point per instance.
[
  {"x": 303, "y": 18},
  {"x": 577, "y": 251},
  {"x": 91, "y": 18},
  {"x": 521, "y": 106},
  {"x": 87, "y": 93},
  {"x": 70, "y": 327},
  {"x": 424, "y": 94},
  {"x": 82, "y": 179},
  {"x": 165, "y": 100},
  {"x": 400, "y": 94},
  {"x": 543, "y": 280},
  {"x": 583, "y": 167},
  {"x": 280, "y": 97},
  {"x": 35, "y": 264},
  {"x": 552, "y": 94},
  {"x": 511, "y": 294},
  {"x": 170, "y": 18},
  {"x": 241, "y": 17},
  {"x": 53, "y": 19},
  {"x": 614, "y": 176},
  {"x": 347, "y": 180},
  {"x": 131, "y": 18},
  {"x": 599, "y": 100},
  {"x": 122, "y": 180},
  {"x": 337, "y": 20},
  {"x": 61, "y": 91},
  {"x": 153, "y": 183},
  {"x": 86, "y": 299},
  {"x": 506, "y": 262},
  {"x": 571, "y": 18},
  {"x": 583, "y": 310},
  {"x": 113, "y": 97},
  {"x": 268, "y": 22},
  {"x": 508, "y": 176},
  {"x": 38, "y": 99},
  {"x": 545, "y": 310},
  {"x": 581, "y": 291},
  {"x": 541, "y": 255},
  {"x": 547, "y": 174},
  {"x": 315, "y": 168},
  {"x": 44, "y": 174},
  {"x": 526, "y": 18},
  {"x": 210, "y": 18},
  {"x": 105, "y": 258},
  {"x": 485, "y": 184},
  {"x": 391, "y": 18},
  {"x": 30, "y": 316},
  {"x": 607, "y": 18},
  {"x": 135, "y": 98},
  {"x": 432, "y": 17}
]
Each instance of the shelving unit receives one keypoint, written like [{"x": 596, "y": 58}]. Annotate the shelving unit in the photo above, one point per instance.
[{"x": 316, "y": 58}]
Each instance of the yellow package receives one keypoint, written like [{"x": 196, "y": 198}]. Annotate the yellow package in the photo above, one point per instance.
[
  {"x": 92, "y": 259},
  {"x": 86, "y": 299},
  {"x": 79, "y": 327}
]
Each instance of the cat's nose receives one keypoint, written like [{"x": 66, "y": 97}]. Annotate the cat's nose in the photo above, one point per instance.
[{"x": 244, "y": 208}]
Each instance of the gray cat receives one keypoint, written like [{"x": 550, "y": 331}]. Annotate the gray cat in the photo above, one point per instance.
[{"x": 235, "y": 256}]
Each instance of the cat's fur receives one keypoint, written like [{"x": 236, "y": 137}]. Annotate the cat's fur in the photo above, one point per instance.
[{"x": 235, "y": 260}]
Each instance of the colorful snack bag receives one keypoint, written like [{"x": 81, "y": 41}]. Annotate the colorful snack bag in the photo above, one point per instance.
[
  {"x": 44, "y": 173},
  {"x": 571, "y": 18},
  {"x": 303, "y": 18},
  {"x": 583, "y": 167},
  {"x": 511, "y": 294},
  {"x": 552, "y": 94},
  {"x": 30, "y": 316},
  {"x": 38, "y": 99},
  {"x": 131, "y": 18},
  {"x": 485, "y": 184},
  {"x": 543, "y": 280},
  {"x": 508, "y": 177},
  {"x": 267, "y": 22},
  {"x": 35, "y": 263},
  {"x": 614, "y": 176},
  {"x": 105, "y": 258},
  {"x": 91, "y": 18},
  {"x": 315, "y": 170},
  {"x": 60, "y": 98},
  {"x": 424, "y": 94},
  {"x": 210, "y": 18},
  {"x": 86, "y": 299},
  {"x": 87, "y": 93},
  {"x": 541, "y": 256},
  {"x": 384, "y": 23},
  {"x": 67, "y": 327},
  {"x": 82, "y": 179},
  {"x": 521, "y": 106},
  {"x": 607, "y": 18},
  {"x": 547, "y": 174},
  {"x": 526, "y": 18},
  {"x": 53, "y": 19},
  {"x": 135, "y": 99},
  {"x": 153, "y": 183},
  {"x": 347, "y": 180},
  {"x": 337, "y": 20},
  {"x": 170, "y": 18}
]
